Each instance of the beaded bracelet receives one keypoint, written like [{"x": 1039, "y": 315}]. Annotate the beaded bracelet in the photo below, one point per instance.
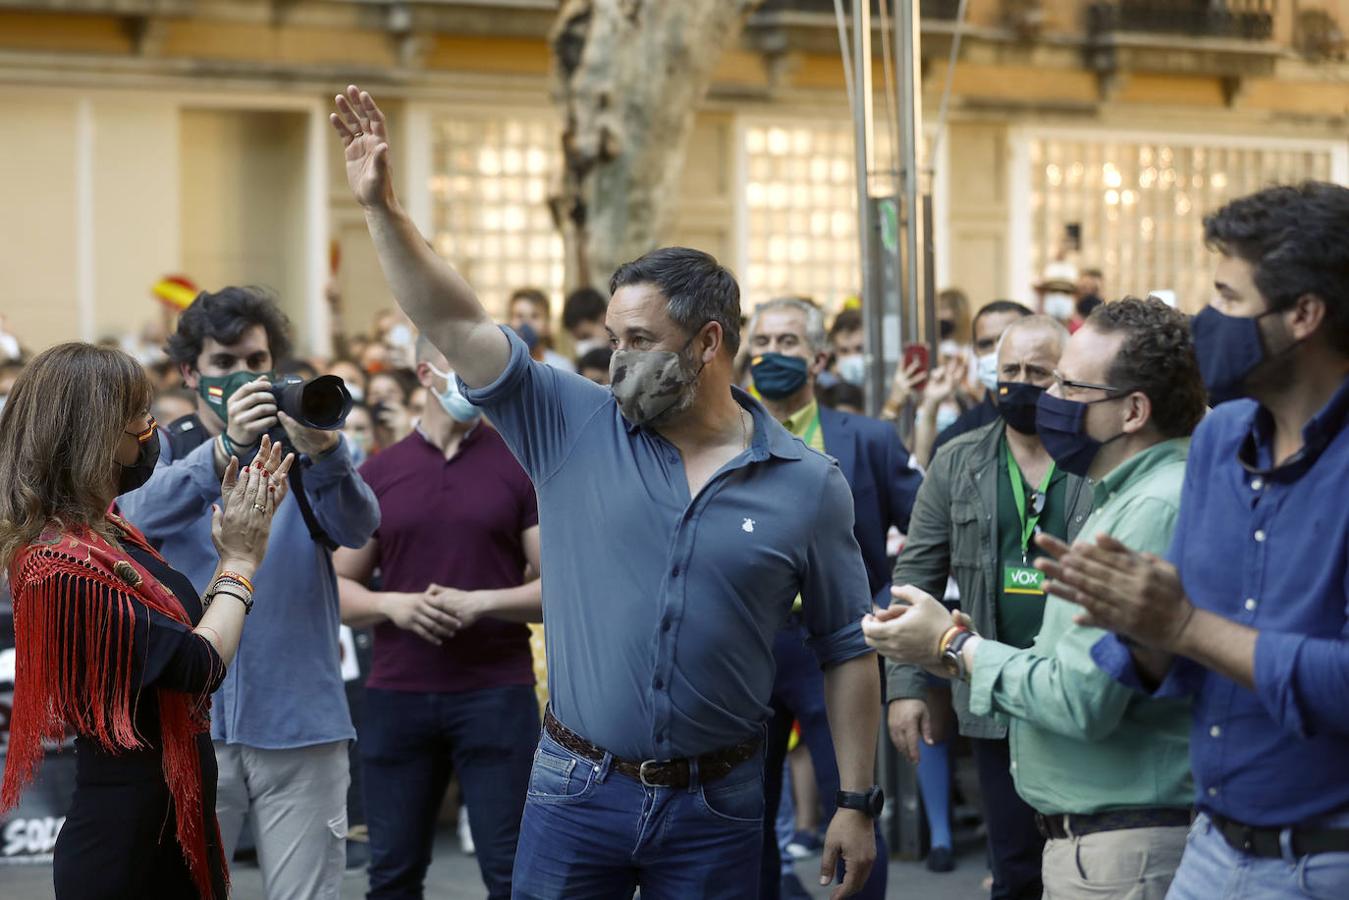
[{"x": 236, "y": 577}]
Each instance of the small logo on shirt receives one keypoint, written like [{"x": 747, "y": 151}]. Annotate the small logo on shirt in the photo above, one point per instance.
[{"x": 747, "y": 526}]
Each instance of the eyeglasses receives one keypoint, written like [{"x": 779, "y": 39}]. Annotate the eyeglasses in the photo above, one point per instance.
[
  {"x": 149, "y": 432},
  {"x": 1088, "y": 386}
]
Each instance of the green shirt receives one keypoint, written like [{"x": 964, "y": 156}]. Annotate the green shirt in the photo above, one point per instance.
[
  {"x": 805, "y": 424},
  {"x": 1081, "y": 742},
  {"x": 1019, "y": 614}
]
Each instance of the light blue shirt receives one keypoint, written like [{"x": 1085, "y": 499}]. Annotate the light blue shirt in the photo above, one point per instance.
[
  {"x": 660, "y": 609},
  {"x": 284, "y": 688}
]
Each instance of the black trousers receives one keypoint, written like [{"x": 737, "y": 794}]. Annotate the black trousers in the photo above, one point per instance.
[{"x": 1014, "y": 843}]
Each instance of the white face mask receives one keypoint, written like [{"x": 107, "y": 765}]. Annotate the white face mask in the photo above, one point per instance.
[
  {"x": 588, "y": 345},
  {"x": 987, "y": 370},
  {"x": 852, "y": 368},
  {"x": 455, "y": 404},
  {"x": 946, "y": 417},
  {"x": 1061, "y": 306}
]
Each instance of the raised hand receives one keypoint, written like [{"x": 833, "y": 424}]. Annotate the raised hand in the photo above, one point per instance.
[{"x": 365, "y": 143}]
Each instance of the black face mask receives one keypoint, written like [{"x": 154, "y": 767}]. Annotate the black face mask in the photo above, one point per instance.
[
  {"x": 139, "y": 472},
  {"x": 946, "y": 328},
  {"x": 1017, "y": 404}
]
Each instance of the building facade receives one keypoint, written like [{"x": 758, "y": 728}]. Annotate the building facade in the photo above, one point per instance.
[{"x": 155, "y": 137}]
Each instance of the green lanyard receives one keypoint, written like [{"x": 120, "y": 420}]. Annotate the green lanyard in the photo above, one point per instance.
[
  {"x": 809, "y": 434},
  {"x": 1019, "y": 494}
]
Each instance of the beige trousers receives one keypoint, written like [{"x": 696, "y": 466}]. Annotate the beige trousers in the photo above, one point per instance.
[{"x": 1130, "y": 864}]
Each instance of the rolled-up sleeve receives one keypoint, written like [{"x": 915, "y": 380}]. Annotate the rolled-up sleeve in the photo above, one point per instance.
[
  {"x": 537, "y": 408},
  {"x": 1303, "y": 682},
  {"x": 834, "y": 587}
]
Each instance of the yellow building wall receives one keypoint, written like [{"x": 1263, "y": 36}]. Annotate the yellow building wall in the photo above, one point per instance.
[
  {"x": 136, "y": 216},
  {"x": 242, "y": 201},
  {"x": 38, "y": 228}
]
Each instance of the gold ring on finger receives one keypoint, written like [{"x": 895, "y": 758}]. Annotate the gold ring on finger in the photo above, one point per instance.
[{"x": 259, "y": 507}]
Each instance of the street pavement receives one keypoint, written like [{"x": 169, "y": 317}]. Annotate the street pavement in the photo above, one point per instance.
[{"x": 454, "y": 876}]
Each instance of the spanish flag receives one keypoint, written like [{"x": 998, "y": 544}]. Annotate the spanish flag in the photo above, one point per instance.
[{"x": 175, "y": 291}]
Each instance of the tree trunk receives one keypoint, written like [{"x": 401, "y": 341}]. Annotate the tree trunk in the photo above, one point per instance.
[{"x": 629, "y": 76}]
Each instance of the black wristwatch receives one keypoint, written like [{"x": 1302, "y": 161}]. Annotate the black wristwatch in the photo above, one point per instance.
[{"x": 871, "y": 802}]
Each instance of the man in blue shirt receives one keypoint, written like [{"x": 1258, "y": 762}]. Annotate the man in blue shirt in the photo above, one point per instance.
[
  {"x": 711, "y": 518},
  {"x": 1250, "y": 614},
  {"x": 789, "y": 350},
  {"x": 279, "y": 720}
]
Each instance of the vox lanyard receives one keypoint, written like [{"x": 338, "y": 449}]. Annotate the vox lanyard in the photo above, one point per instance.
[{"x": 1037, "y": 502}]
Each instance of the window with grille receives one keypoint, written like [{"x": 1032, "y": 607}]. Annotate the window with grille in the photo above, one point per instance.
[
  {"x": 490, "y": 177},
  {"x": 801, "y": 212},
  {"x": 1141, "y": 204}
]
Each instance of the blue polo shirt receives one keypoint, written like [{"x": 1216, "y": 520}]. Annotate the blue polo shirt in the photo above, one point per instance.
[
  {"x": 660, "y": 609},
  {"x": 1266, "y": 546}
]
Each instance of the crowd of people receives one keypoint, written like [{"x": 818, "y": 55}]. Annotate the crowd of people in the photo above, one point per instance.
[{"x": 1096, "y": 542}]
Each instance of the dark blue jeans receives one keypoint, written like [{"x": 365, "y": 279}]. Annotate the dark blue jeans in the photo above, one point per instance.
[
  {"x": 590, "y": 833},
  {"x": 410, "y": 744},
  {"x": 798, "y": 695}
]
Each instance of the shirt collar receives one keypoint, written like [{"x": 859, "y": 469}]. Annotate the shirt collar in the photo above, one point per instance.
[
  {"x": 1139, "y": 466},
  {"x": 1256, "y": 453},
  {"x": 470, "y": 435},
  {"x": 799, "y": 421},
  {"x": 770, "y": 438}
]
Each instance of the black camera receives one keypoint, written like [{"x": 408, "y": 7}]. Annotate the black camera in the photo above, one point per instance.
[{"x": 322, "y": 403}]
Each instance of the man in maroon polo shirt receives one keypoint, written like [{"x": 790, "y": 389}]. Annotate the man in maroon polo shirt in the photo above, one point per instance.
[{"x": 451, "y": 686}]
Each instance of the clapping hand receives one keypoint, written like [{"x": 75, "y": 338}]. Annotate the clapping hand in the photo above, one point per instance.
[{"x": 242, "y": 521}]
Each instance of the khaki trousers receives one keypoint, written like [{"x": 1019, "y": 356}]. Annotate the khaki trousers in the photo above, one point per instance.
[
  {"x": 297, "y": 800},
  {"x": 1129, "y": 864}
]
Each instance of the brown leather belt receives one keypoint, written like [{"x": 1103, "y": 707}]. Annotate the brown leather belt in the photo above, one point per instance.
[
  {"x": 669, "y": 773},
  {"x": 1062, "y": 826}
]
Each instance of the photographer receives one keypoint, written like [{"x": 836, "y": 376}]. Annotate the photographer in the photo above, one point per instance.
[{"x": 280, "y": 722}]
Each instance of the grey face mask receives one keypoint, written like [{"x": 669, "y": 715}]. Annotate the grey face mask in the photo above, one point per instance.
[{"x": 648, "y": 383}]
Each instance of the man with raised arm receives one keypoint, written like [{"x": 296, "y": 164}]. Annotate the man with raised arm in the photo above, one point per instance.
[{"x": 649, "y": 770}]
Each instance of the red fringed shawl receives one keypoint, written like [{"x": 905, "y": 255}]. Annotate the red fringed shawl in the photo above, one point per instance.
[{"x": 74, "y": 621}]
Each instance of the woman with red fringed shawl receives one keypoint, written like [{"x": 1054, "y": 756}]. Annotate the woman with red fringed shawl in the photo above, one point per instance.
[{"x": 113, "y": 644}]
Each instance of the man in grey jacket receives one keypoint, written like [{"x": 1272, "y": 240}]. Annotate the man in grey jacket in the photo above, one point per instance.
[{"x": 984, "y": 497}]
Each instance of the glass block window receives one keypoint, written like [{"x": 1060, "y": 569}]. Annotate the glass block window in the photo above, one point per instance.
[
  {"x": 801, "y": 211},
  {"x": 1141, "y": 205},
  {"x": 490, "y": 178}
]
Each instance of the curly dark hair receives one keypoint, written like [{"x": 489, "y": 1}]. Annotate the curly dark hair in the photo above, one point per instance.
[
  {"x": 1294, "y": 237},
  {"x": 224, "y": 316},
  {"x": 1157, "y": 358}
]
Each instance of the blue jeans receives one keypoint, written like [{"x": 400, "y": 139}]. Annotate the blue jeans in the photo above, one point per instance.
[
  {"x": 1212, "y": 870},
  {"x": 590, "y": 833},
  {"x": 410, "y": 744},
  {"x": 798, "y": 694}
]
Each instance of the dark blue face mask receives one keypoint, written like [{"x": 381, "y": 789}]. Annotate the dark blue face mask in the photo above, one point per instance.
[
  {"x": 1228, "y": 349},
  {"x": 778, "y": 376},
  {"x": 1016, "y": 404},
  {"x": 1062, "y": 425}
]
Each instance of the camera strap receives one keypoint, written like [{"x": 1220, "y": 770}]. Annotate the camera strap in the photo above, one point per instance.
[{"x": 311, "y": 521}]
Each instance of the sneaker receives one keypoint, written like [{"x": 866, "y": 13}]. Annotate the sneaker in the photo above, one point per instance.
[
  {"x": 940, "y": 859},
  {"x": 791, "y": 888},
  {"x": 465, "y": 834},
  {"x": 804, "y": 844}
]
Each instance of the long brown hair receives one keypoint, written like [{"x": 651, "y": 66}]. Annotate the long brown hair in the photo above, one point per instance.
[{"x": 58, "y": 437}]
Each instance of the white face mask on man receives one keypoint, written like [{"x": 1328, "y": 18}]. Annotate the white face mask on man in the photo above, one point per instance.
[
  {"x": 1060, "y": 306},
  {"x": 986, "y": 370},
  {"x": 455, "y": 404}
]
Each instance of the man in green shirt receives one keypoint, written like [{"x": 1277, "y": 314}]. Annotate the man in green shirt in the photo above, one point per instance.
[{"x": 1106, "y": 768}]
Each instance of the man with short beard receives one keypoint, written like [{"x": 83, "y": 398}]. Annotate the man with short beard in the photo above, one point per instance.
[{"x": 649, "y": 773}]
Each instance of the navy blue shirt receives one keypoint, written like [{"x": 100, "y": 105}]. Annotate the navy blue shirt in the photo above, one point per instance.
[
  {"x": 660, "y": 609},
  {"x": 1267, "y": 547}
]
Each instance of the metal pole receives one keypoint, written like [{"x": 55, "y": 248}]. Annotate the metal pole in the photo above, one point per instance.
[
  {"x": 862, "y": 140},
  {"x": 908, "y": 62}
]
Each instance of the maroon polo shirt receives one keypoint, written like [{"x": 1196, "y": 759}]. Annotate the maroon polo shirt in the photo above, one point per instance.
[{"x": 456, "y": 523}]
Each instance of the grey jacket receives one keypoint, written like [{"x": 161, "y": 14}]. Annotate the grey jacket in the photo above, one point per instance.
[{"x": 953, "y": 531}]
